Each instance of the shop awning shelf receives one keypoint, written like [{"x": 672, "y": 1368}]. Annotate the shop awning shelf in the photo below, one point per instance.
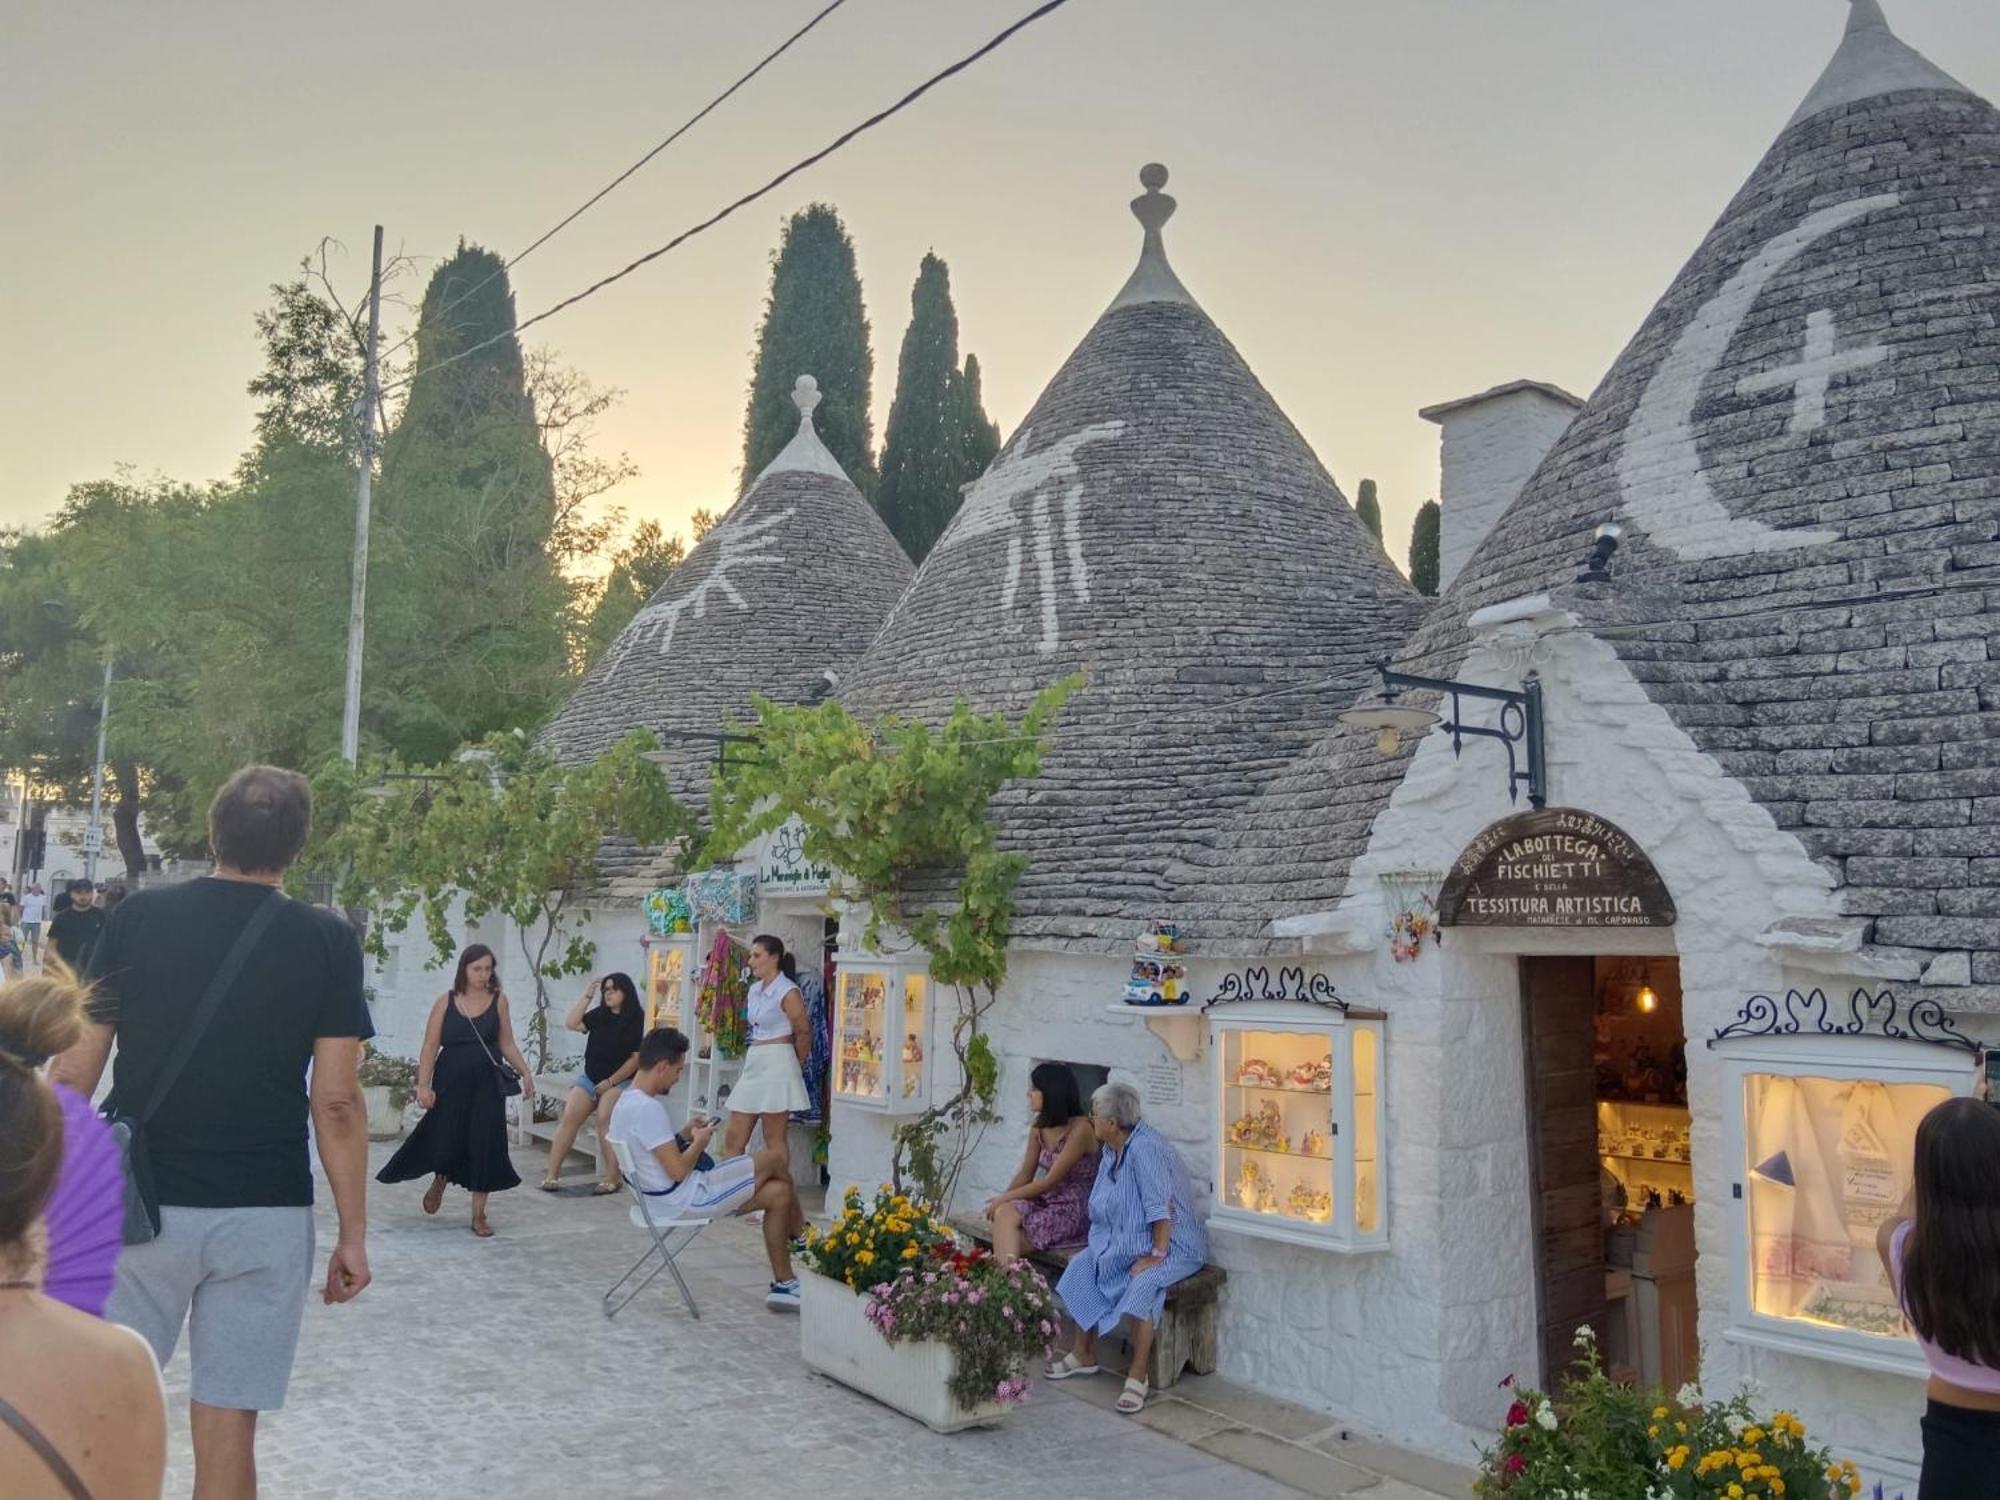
[{"x": 1181, "y": 1027}]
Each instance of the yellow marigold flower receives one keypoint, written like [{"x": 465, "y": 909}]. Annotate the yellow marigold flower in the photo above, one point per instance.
[
  {"x": 1753, "y": 1435},
  {"x": 1677, "y": 1456},
  {"x": 909, "y": 1252},
  {"x": 1777, "y": 1485},
  {"x": 1736, "y": 1492},
  {"x": 1659, "y": 1412},
  {"x": 865, "y": 1257},
  {"x": 1653, "y": 1431},
  {"x": 1681, "y": 1427},
  {"x": 853, "y": 1239}
]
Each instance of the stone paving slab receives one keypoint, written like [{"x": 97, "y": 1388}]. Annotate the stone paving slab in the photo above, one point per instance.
[{"x": 482, "y": 1366}]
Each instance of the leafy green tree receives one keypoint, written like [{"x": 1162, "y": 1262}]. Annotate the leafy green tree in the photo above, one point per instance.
[
  {"x": 884, "y": 804},
  {"x": 637, "y": 571},
  {"x": 937, "y": 438},
  {"x": 500, "y": 828},
  {"x": 1369, "y": 509},
  {"x": 814, "y": 324},
  {"x": 1424, "y": 537}
]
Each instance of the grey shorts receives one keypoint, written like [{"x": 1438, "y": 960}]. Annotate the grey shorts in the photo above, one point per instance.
[{"x": 237, "y": 1278}]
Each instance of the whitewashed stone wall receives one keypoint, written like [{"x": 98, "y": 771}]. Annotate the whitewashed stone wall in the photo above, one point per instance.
[{"x": 1489, "y": 444}]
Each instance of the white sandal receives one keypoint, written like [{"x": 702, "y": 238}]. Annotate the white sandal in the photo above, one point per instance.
[
  {"x": 1132, "y": 1399},
  {"x": 1068, "y": 1366}
]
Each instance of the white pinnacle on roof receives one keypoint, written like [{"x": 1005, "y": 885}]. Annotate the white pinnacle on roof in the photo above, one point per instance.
[
  {"x": 1153, "y": 280},
  {"x": 1870, "y": 61},
  {"x": 805, "y": 453}
]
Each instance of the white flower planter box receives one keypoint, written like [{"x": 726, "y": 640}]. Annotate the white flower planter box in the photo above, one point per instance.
[
  {"x": 385, "y": 1112},
  {"x": 838, "y": 1340}
]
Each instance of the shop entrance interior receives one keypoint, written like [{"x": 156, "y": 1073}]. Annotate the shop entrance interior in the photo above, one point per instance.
[{"x": 1612, "y": 1181}]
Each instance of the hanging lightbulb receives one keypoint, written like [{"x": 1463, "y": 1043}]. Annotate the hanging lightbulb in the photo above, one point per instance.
[
  {"x": 1387, "y": 741},
  {"x": 1646, "y": 1000}
]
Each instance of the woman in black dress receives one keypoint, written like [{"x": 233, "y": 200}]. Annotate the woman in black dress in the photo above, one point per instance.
[{"x": 462, "y": 1137}]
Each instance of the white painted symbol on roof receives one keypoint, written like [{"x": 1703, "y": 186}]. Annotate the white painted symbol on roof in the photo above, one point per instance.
[
  {"x": 1053, "y": 522},
  {"x": 1818, "y": 366},
  {"x": 739, "y": 544},
  {"x": 1666, "y": 492}
]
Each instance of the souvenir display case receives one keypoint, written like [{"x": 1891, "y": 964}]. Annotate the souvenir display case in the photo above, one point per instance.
[
  {"x": 668, "y": 965},
  {"x": 1820, "y": 1134},
  {"x": 1647, "y": 1148},
  {"x": 881, "y": 1034},
  {"x": 1299, "y": 1143}
]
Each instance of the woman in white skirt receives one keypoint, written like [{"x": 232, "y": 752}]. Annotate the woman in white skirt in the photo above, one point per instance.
[{"x": 773, "y": 1081}]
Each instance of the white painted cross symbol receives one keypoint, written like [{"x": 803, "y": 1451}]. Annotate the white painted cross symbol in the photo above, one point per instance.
[{"x": 1817, "y": 368}]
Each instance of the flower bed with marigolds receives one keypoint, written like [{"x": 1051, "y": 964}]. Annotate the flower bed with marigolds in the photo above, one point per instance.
[
  {"x": 993, "y": 1315},
  {"x": 870, "y": 1242},
  {"x": 1600, "y": 1440}
]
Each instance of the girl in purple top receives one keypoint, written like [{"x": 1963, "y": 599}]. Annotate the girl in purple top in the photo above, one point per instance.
[
  {"x": 1047, "y": 1205},
  {"x": 1945, "y": 1265}
]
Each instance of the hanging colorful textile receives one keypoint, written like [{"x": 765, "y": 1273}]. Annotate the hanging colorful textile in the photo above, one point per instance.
[
  {"x": 819, "y": 1062},
  {"x": 667, "y": 912},
  {"x": 722, "y": 898},
  {"x": 723, "y": 1004}
]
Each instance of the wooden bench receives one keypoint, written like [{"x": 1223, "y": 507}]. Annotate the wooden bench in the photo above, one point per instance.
[
  {"x": 1185, "y": 1339},
  {"x": 527, "y": 1129}
]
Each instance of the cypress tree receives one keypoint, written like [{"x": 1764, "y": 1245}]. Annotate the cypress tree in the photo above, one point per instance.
[
  {"x": 937, "y": 437},
  {"x": 1424, "y": 548},
  {"x": 814, "y": 324},
  {"x": 1369, "y": 508},
  {"x": 467, "y": 606}
]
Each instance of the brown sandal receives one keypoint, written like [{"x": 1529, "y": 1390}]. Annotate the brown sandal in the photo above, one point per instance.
[{"x": 434, "y": 1197}]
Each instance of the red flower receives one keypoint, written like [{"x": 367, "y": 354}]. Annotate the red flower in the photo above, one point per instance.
[
  {"x": 1515, "y": 1463},
  {"x": 1517, "y": 1414}
]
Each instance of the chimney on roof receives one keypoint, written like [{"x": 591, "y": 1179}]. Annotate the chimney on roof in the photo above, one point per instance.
[{"x": 1491, "y": 443}]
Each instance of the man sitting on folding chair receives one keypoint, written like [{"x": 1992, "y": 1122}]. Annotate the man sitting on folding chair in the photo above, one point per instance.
[{"x": 675, "y": 1179}]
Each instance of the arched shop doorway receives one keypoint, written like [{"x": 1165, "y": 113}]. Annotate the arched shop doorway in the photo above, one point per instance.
[{"x": 1608, "y": 1129}]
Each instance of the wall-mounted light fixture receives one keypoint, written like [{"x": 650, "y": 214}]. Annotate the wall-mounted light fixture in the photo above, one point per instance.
[
  {"x": 1646, "y": 1002},
  {"x": 1598, "y": 568},
  {"x": 1520, "y": 723}
]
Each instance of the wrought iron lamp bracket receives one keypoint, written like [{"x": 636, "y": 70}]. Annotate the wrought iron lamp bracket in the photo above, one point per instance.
[{"x": 1520, "y": 725}]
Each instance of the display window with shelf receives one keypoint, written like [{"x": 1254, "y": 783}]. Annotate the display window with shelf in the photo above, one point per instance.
[
  {"x": 1821, "y": 1131},
  {"x": 881, "y": 1032},
  {"x": 667, "y": 966},
  {"x": 1299, "y": 1153}
]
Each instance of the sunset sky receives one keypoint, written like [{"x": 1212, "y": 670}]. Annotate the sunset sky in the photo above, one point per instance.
[{"x": 1384, "y": 204}]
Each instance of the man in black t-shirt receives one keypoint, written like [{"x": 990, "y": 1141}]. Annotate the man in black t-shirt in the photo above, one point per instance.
[
  {"x": 228, "y": 1145},
  {"x": 77, "y": 926}
]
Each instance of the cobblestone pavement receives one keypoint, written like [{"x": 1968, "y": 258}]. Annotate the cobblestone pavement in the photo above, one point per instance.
[{"x": 486, "y": 1366}]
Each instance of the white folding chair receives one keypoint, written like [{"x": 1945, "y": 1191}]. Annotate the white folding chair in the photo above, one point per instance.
[{"x": 661, "y": 1253}]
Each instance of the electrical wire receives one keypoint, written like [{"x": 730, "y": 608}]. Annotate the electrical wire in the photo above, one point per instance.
[
  {"x": 1048, "y": 7},
  {"x": 604, "y": 192}
]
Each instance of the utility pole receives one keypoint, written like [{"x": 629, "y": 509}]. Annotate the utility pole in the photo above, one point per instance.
[
  {"x": 350, "y": 717},
  {"x": 93, "y": 836}
]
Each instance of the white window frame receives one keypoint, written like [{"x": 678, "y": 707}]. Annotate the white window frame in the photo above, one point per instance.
[
  {"x": 892, "y": 1100},
  {"x": 1338, "y": 1234},
  {"x": 1860, "y": 1058}
]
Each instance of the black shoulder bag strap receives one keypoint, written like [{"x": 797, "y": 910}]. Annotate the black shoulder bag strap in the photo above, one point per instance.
[{"x": 142, "y": 1208}]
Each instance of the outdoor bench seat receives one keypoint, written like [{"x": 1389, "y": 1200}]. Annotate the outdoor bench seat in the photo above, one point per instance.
[
  {"x": 528, "y": 1129},
  {"x": 1186, "y": 1337}
]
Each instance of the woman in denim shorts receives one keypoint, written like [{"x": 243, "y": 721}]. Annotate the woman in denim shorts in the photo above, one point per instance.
[{"x": 613, "y": 1027}]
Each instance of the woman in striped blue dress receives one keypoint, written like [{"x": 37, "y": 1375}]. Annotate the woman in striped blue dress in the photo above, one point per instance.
[{"x": 1144, "y": 1236}]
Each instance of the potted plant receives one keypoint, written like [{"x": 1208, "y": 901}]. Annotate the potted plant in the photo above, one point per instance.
[
  {"x": 891, "y": 1307},
  {"x": 1610, "y": 1441},
  {"x": 388, "y": 1084}
]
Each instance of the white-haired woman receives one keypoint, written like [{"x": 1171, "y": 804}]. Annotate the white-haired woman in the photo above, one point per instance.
[{"x": 1144, "y": 1236}]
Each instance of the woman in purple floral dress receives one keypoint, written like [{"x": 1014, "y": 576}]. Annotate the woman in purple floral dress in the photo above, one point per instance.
[{"x": 1047, "y": 1205}]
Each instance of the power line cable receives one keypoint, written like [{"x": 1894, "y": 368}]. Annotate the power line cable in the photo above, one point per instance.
[
  {"x": 604, "y": 192},
  {"x": 748, "y": 198}
]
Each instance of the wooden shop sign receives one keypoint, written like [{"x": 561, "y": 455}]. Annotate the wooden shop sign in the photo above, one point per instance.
[{"x": 1554, "y": 867}]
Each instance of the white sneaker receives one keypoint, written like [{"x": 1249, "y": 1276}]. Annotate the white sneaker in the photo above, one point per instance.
[{"x": 783, "y": 1296}]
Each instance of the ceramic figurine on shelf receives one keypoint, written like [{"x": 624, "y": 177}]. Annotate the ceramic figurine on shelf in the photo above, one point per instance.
[
  {"x": 1264, "y": 1130},
  {"x": 913, "y": 1051},
  {"x": 1306, "y": 1203},
  {"x": 1313, "y": 1143},
  {"x": 1256, "y": 1073},
  {"x": 1313, "y": 1075},
  {"x": 1173, "y": 984},
  {"x": 1160, "y": 937},
  {"x": 1255, "y": 1191}
]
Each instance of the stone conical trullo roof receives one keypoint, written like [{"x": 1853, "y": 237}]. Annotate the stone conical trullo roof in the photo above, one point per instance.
[
  {"x": 793, "y": 582},
  {"x": 1802, "y": 446},
  {"x": 1159, "y": 526}
]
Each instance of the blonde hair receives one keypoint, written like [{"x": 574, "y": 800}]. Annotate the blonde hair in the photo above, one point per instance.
[{"x": 39, "y": 1017}]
